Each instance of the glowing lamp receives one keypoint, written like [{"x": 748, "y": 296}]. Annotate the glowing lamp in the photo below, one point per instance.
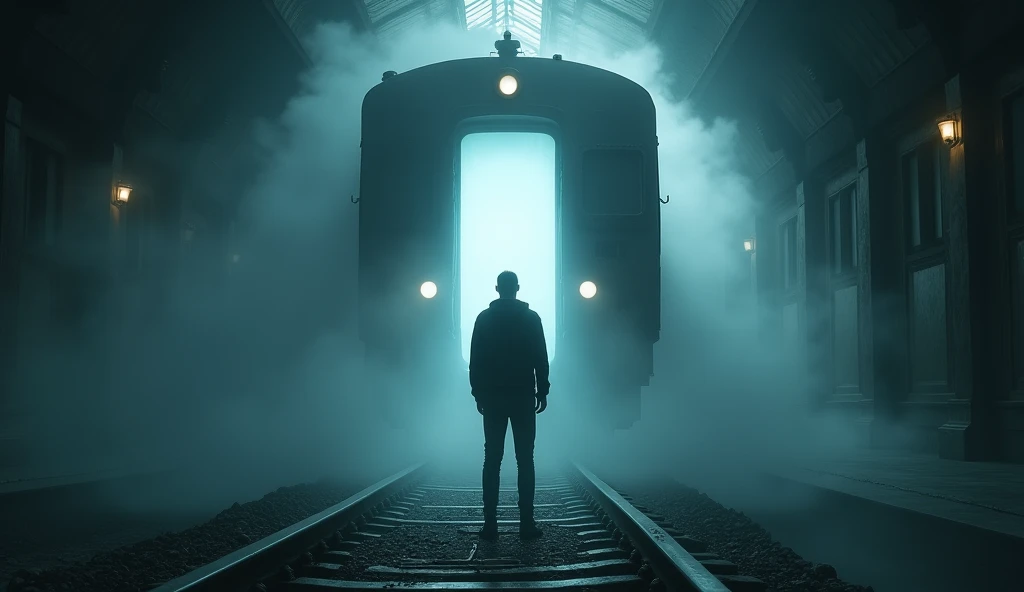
[
  {"x": 428, "y": 290},
  {"x": 588, "y": 290},
  {"x": 508, "y": 85},
  {"x": 122, "y": 191},
  {"x": 948, "y": 130},
  {"x": 748, "y": 245}
]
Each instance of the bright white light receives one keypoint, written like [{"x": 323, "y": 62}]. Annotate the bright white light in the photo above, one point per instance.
[
  {"x": 508, "y": 85},
  {"x": 522, "y": 17},
  {"x": 588, "y": 289},
  {"x": 428, "y": 289},
  {"x": 507, "y": 221}
]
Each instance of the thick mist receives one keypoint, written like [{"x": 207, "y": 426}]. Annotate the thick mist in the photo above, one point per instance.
[
  {"x": 726, "y": 402},
  {"x": 220, "y": 375}
]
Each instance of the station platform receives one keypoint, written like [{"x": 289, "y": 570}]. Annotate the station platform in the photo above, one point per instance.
[
  {"x": 15, "y": 480},
  {"x": 23, "y": 472},
  {"x": 901, "y": 521},
  {"x": 984, "y": 495}
]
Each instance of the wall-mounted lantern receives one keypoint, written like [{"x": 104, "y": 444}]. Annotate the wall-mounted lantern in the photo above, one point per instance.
[
  {"x": 749, "y": 245},
  {"x": 122, "y": 191},
  {"x": 949, "y": 130}
]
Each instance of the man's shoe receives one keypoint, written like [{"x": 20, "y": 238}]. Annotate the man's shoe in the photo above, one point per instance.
[
  {"x": 490, "y": 531},
  {"x": 529, "y": 530}
]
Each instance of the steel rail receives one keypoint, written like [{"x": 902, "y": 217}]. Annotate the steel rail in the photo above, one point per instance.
[
  {"x": 238, "y": 570},
  {"x": 672, "y": 564}
]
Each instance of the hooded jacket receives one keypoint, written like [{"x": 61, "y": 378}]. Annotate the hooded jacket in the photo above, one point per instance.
[{"x": 508, "y": 353}]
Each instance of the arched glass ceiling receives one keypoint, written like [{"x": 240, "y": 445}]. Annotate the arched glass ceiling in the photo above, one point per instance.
[{"x": 521, "y": 17}]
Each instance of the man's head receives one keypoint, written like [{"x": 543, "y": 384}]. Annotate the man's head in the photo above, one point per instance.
[{"x": 508, "y": 284}]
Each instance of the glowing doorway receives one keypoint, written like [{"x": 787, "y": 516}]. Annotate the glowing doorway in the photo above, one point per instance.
[{"x": 507, "y": 220}]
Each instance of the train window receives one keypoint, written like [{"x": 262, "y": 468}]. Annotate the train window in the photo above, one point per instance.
[{"x": 613, "y": 182}]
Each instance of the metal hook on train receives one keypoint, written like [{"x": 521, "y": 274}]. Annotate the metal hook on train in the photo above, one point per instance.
[
  {"x": 353, "y": 199},
  {"x": 666, "y": 200}
]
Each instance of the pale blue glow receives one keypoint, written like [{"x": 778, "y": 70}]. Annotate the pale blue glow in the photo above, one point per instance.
[
  {"x": 521, "y": 17},
  {"x": 507, "y": 221}
]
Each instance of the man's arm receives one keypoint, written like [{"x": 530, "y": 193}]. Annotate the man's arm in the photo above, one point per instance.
[
  {"x": 540, "y": 364},
  {"x": 475, "y": 357}
]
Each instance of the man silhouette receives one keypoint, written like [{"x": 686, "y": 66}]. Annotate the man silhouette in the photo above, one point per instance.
[{"x": 508, "y": 373}]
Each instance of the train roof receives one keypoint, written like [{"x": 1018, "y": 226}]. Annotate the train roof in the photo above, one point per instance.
[{"x": 527, "y": 66}]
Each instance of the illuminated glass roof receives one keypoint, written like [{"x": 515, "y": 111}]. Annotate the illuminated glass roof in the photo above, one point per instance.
[
  {"x": 521, "y": 17},
  {"x": 570, "y": 27}
]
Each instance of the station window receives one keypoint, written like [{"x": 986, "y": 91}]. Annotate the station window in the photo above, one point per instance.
[
  {"x": 613, "y": 182},
  {"x": 922, "y": 194},
  {"x": 1014, "y": 134},
  {"x": 787, "y": 254},
  {"x": 42, "y": 193},
  {"x": 842, "y": 224}
]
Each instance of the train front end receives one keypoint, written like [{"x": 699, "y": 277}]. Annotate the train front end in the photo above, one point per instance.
[{"x": 542, "y": 166}]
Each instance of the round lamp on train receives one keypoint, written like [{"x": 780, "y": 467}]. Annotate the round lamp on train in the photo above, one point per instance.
[
  {"x": 949, "y": 130},
  {"x": 428, "y": 290},
  {"x": 749, "y": 245},
  {"x": 588, "y": 289},
  {"x": 122, "y": 191},
  {"x": 508, "y": 85}
]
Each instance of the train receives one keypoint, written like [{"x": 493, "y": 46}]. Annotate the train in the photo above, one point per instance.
[{"x": 544, "y": 166}]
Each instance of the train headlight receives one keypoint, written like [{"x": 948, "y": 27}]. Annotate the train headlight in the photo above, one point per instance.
[
  {"x": 588, "y": 289},
  {"x": 508, "y": 85},
  {"x": 428, "y": 290}
]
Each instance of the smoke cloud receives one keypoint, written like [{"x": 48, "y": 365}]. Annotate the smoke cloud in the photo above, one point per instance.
[{"x": 258, "y": 379}]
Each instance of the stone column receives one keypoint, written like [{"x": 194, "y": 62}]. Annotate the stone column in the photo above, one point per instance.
[
  {"x": 811, "y": 223},
  {"x": 879, "y": 278},
  {"x": 12, "y": 203},
  {"x": 973, "y": 253},
  {"x": 764, "y": 279}
]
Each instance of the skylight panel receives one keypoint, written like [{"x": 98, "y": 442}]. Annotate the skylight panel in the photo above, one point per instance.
[{"x": 521, "y": 17}]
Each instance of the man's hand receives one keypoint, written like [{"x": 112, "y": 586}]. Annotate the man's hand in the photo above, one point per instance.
[
  {"x": 542, "y": 403},
  {"x": 480, "y": 407}
]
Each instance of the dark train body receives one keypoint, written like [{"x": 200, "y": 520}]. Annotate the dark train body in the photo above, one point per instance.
[{"x": 608, "y": 221}]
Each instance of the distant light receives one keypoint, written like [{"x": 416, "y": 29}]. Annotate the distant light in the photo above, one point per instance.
[
  {"x": 492, "y": 224},
  {"x": 236, "y": 258},
  {"x": 588, "y": 289},
  {"x": 428, "y": 290},
  {"x": 508, "y": 85},
  {"x": 748, "y": 245},
  {"x": 948, "y": 130},
  {"x": 122, "y": 192}
]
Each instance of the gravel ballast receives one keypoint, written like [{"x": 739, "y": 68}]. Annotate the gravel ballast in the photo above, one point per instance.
[
  {"x": 727, "y": 533},
  {"x": 736, "y": 538},
  {"x": 145, "y": 564},
  {"x": 448, "y": 542}
]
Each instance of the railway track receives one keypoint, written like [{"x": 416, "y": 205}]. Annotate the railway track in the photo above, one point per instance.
[{"x": 416, "y": 531}]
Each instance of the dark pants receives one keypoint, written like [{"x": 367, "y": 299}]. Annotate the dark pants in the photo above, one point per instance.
[{"x": 520, "y": 412}]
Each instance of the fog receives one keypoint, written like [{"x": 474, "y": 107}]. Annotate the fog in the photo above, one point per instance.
[
  {"x": 258, "y": 379},
  {"x": 729, "y": 400}
]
